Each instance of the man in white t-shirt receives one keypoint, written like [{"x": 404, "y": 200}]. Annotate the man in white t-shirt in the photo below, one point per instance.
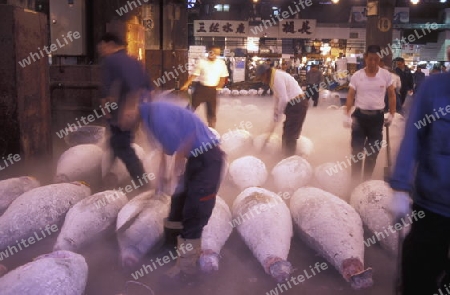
[
  {"x": 211, "y": 73},
  {"x": 289, "y": 99},
  {"x": 367, "y": 89}
]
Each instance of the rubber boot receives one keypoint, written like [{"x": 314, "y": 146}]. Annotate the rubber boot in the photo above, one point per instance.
[
  {"x": 172, "y": 229},
  {"x": 186, "y": 264}
]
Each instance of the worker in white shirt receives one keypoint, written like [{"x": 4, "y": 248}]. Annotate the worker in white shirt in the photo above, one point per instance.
[
  {"x": 290, "y": 100},
  {"x": 212, "y": 73},
  {"x": 367, "y": 89}
]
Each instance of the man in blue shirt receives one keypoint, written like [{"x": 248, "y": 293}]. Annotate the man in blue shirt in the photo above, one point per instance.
[
  {"x": 182, "y": 133},
  {"x": 422, "y": 171},
  {"x": 122, "y": 77}
]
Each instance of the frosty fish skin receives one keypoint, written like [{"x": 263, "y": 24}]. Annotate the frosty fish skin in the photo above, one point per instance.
[
  {"x": 371, "y": 200},
  {"x": 81, "y": 162},
  {"x": 214, "y": 236},
  {"x": 334, "y": 229},
  {"x": 57, "y": 273},
  {"x": 89, "y": 219},
  {"x": 11, "y": 188},
  {"x": 146, "y": 229},
  {"x": 38, "y": 208},
  {"x": 266, "y": 227}
]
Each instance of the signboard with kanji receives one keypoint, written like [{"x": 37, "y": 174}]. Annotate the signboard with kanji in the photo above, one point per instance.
[
  {"x": 297, "y": 28},
  {"x": 218, "y": 28}
]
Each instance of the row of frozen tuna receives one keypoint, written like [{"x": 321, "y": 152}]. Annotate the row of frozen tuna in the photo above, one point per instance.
[
  {"x": 328, "y": 224},
  {"x": 236, "y": 92}
]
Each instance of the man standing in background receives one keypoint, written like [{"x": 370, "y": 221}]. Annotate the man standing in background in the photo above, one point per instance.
[
  {"x": 313, "y": 79},
  {"x": 212, "y": 73},
  {"x": 405, "y": 77},
  {"x": 123, "y": 78}
]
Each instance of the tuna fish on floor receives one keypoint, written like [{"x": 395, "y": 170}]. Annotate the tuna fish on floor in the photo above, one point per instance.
[
  {"x": 81, "y": 162},
  {"x": 292, "y": 173},
  {"x": 57, "y": 273},
  {"x": 11, "y": 188},
  {"x": 39, "y": 209},
  {"x": 330, "y": 178},
  {"x": 248, "y": 171},
  {"x": 140, "y": 225},
  {"x": 89, "y": 219},
  {"x": 371, "y": 200},
  {"x": 214, "y": 236},
  {"x": 334, "y": 229},
  {"x": 263, "y": 221}
]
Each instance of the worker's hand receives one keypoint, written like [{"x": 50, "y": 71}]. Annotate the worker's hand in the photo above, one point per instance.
[
  {"x": 388, "y": 119},
  {"x": 348, "y": 121},
  {"x": 400, "y": 205}
]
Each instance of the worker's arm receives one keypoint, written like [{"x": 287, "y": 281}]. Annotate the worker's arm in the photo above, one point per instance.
[
  {"x": 188, "y": 82},
  {"x": 221, "y": 82},
  {"x": 392, "y": 99},
  {"x": 350, "y": 100}
]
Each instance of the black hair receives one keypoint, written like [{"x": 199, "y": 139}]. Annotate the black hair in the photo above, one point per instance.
[
  {"x": 111, "y": 37},
  {"x": 373, "y": 49}
]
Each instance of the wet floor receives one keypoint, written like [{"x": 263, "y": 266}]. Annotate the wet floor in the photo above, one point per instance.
[{"x": 239, "y": 273}]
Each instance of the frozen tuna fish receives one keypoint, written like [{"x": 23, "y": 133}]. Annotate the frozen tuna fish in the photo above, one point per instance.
[
  {"x": 331, "y": 178},
  {"x": 57, "y": 273},
  {"x": 236, "y": 142},
  {"x": 140, "y": 226},
  {"x": 264, "y": 223},
  {"x": 89, "y": 219},
  {"x": 37, "y": 209},
  {"x": 11, "y": 188},
  {"x": 248, "y": 171},
  {"x": 214, "y": 236},
  {"x": 292, "y": 173},
  {"x": 267, "y": 144},
  {"x": 334, "y": 229},
  {"x": 116, "y": 172},
  {"x": 371, "y": 200},
  {"x": 305, "y": 147},
  {"x": 81, "y": 162}
]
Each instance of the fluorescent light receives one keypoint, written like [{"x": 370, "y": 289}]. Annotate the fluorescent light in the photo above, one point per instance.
[{"x": 414, "y": 2}]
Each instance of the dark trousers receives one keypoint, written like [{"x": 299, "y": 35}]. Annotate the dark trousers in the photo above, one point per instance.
[
  {"x": 195, "y": 197},
  {"x": 425, "y": 254},
  {"x": 295, "y": 116},
  {"x": 120, "y": 143},
  {"x": 367, "y": 134},
  {"x": 403, "y": 94},
  {"x": 207, "y": 95},
  {"x": 314, "y": 93}
]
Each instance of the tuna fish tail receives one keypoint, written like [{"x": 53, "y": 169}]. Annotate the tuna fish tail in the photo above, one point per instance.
[
  {"x": 278, "y": 268},
  {"x": 353, "y": 271},
  {"x": 209, "y": 261}
]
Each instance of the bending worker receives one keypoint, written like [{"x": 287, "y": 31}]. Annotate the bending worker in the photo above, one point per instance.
[
  {"x": 289, "y": 99},
  {"x": 181, "y": 133}
]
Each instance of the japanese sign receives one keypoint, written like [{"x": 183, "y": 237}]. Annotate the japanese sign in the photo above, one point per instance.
[
  {"x": 221, "y": 28},
  {"x": 297, "y": 28}
]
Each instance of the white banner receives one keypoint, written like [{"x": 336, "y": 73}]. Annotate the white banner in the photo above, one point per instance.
[
  {"x": 297, "y": 28},
  {"x": 220, "y": 28}
]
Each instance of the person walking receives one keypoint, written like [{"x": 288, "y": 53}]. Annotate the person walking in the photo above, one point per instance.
[
  {"x": 122, "y": 78},
  {"x": 406, "y": 78},
  {"x": 182, "y": 133},
  {"x": 421, "y": 175},
  {"x": 367, "y": 90},
  {"x": 212, "y": 73},
  {"x": 418, "y": 76},
  {"x": 290, "y": 100},
  {"x": 313, "y": 79}
]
